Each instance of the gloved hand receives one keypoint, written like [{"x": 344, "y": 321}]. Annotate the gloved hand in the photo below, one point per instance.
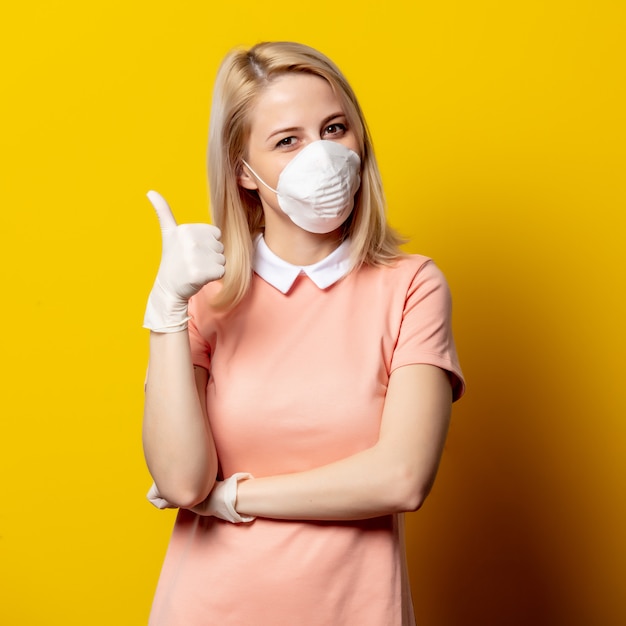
[
  {"x": 219, "y": 503},
  {"x": 222, "y": 500},
  {"x": 191, "y": 257}
]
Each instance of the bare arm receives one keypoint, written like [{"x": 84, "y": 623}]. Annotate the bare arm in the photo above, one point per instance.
[
  {"x": 177, "y": 440},
  {"x": 395, "y": 475}
]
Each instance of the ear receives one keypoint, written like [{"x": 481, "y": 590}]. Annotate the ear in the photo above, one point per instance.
[{"x": 245, "y": 178}]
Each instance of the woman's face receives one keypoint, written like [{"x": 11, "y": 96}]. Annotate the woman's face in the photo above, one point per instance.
[{"x": 293, "y": 111}]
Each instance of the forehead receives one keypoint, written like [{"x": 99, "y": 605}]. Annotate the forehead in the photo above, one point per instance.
[{"x": 292, "y": 100}]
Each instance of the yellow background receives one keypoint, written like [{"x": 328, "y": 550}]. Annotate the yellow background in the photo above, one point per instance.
[{"x": 500, "y": 131}]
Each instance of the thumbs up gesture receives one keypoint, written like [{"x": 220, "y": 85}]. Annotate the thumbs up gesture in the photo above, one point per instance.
[{"x": 191, "y": 257}]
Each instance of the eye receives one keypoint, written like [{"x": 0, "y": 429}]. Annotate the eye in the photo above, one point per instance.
[
  {"x": 286, "y": 142},
  {"x": 335, "y": 130}
]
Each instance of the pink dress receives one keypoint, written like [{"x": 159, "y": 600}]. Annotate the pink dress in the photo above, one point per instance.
[{"x": 298, "y": 380}]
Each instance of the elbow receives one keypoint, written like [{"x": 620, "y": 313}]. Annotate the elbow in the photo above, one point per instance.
[
  {"x": 184, "y": 495},
  {"x": 410, "y": 491},
  {"x": 187, "y": 499},
  {"x": 185, "y": 490},
  {"x": 411, "y": 500}
]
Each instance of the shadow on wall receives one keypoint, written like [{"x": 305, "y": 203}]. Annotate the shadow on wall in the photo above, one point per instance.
[{"x": 499, "y": 542}]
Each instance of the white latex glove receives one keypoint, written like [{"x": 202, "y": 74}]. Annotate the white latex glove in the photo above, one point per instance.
[
  {"x": 191, "y": 257},
  {"x": 219, "y": 503}
]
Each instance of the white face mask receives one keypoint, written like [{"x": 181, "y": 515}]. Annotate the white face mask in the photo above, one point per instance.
[{"x": 316, "y": 188}]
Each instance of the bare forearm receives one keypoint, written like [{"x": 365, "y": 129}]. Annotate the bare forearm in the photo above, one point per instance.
[
  {"x": 349, "y": 489},
  {"x": 177, "y": 440},
  {"x": 333, "y": 492}
]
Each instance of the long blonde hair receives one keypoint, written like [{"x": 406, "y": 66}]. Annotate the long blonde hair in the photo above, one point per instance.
[{"x": 238, "y": 211}]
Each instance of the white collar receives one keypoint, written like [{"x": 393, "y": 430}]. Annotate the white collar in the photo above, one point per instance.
[{"x": 282, "y": 275}]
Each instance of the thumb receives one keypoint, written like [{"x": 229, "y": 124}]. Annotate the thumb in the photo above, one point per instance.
[{"x": 163, "y": 211}]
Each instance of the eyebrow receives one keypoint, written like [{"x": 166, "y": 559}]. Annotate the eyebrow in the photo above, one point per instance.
[{"x": 292, "y": 129}]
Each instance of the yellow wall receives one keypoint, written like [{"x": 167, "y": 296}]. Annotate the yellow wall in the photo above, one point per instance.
[{"x": 500, "y": 131}]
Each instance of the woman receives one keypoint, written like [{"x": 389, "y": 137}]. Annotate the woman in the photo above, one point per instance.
[{"x": 301, "y": 368}]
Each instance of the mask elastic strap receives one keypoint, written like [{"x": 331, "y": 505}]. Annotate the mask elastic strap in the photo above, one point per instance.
[{"x": 258, "y": 177}]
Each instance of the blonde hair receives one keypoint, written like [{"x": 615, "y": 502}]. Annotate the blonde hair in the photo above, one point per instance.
[{"x": 237, "y": 211}]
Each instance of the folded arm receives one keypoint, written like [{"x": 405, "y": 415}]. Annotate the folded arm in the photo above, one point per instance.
[{"x": 395, "y": 475}]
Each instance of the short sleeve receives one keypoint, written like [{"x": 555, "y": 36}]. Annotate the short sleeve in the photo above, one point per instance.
[{"x": 426, "y": 329}]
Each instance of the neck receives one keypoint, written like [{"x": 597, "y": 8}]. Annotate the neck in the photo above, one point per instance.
[{"x": 299, "y": 247}]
